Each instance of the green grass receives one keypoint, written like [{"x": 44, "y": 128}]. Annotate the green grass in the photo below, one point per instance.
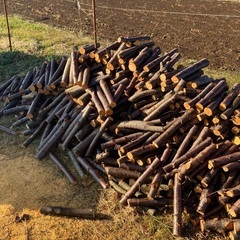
[{"x": 32, "y": 43}]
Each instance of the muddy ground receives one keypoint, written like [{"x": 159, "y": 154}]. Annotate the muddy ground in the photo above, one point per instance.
[{"x": 198, "y": 28}]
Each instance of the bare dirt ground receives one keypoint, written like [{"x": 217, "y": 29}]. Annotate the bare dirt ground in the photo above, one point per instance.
[{"x": 199, "y": 29}]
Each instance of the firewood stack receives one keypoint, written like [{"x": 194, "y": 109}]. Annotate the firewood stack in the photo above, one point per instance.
[{"x": 159, "y": 133}]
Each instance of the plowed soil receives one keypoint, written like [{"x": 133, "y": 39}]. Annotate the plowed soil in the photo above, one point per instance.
[{"x": 198, "y": 28}]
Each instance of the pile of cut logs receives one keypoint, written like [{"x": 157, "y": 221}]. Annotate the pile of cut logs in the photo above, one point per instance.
[{"x": 158, "y": 132}]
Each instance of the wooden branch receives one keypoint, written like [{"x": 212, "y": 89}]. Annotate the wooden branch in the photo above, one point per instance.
[
  {"x": 177, "y": 206},
  {"x": 69, "y": 212},
  {"x": 95, "y": 173},
  {"x": 63, "y": 168}
]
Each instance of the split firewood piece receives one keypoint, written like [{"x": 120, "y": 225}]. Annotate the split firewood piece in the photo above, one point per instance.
[
  {"x": 234, "y": 210},
  {"x": 136, "y": 124},
  {"x": 190, "y": 70},
  {"x": 177, "y": 206},
  {"x": 230, "y": 110},
  {"x": 142, "y": 178},
  {"x": 93, "y": 171},
  {"x": 63, "y": 168},
  {"x": 222, "y": 225},
  {"x": 223, "y": 160},
  {"x": 217, "y": 89},
  {"x": 95, "y": 140},
  {"x": 198, "y": 148},
  {"x": 174, "y": 126},
  {"x": 69, "y": 212},
  {"x": 227, "y": 101}
]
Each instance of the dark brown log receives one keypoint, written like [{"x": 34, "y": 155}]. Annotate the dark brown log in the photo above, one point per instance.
[
  {"x": 217, "y": 89},
  {"x": 8, "y": 130},
  {"x": 227, "y": 101},
  {"x": 133, "y": 39},
  {"x": 69, "y": 212},
  {"x": 95, "y": 140},
  {"x": 174, "y": 126},
  {"x": 53, "y": 139},
  {"x": 177, "y": 206},
  {"x": 233, "y": 192},
  {"x": 156, "y": 182},
  {"x": 231, "y": 166},
  {"x": 76, "y": 164},
  {"x": 190, "y": 70},
  {"x": 230, "y": 110},
  {"x": 151, "y": 203},
  {"x": 204, "y": 201},
  {"x": 95, "y": 173},
  {"x": 27, "y": 80},
  {"x": 234, "y": 210},
  {"x": 107, "y": 92},
  {"x": 113, "y": 142},
  {"x": 220, "y": 225},
  {"x": 199, "y": 159},
  {"x": 122, "y": 173},
  {"x": 159, "y": 109},
  {"x": 34, "y": 135},
  {"x": 201, "y": 81},
  {"x": 80, "y": 121},
  {"x": 134, "y": 64},
  {"x": 223, "y": 160},
  {"x": 88, "y": 48},
  {"x": 132, "y": 155},
  {"x": 102, "y": 98},
  {"x": 192, "y": 102},
  {"x": 63, "y": 168},
  {"x": 198, "y": 148},
  {"x": 144, "y": 176}
]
